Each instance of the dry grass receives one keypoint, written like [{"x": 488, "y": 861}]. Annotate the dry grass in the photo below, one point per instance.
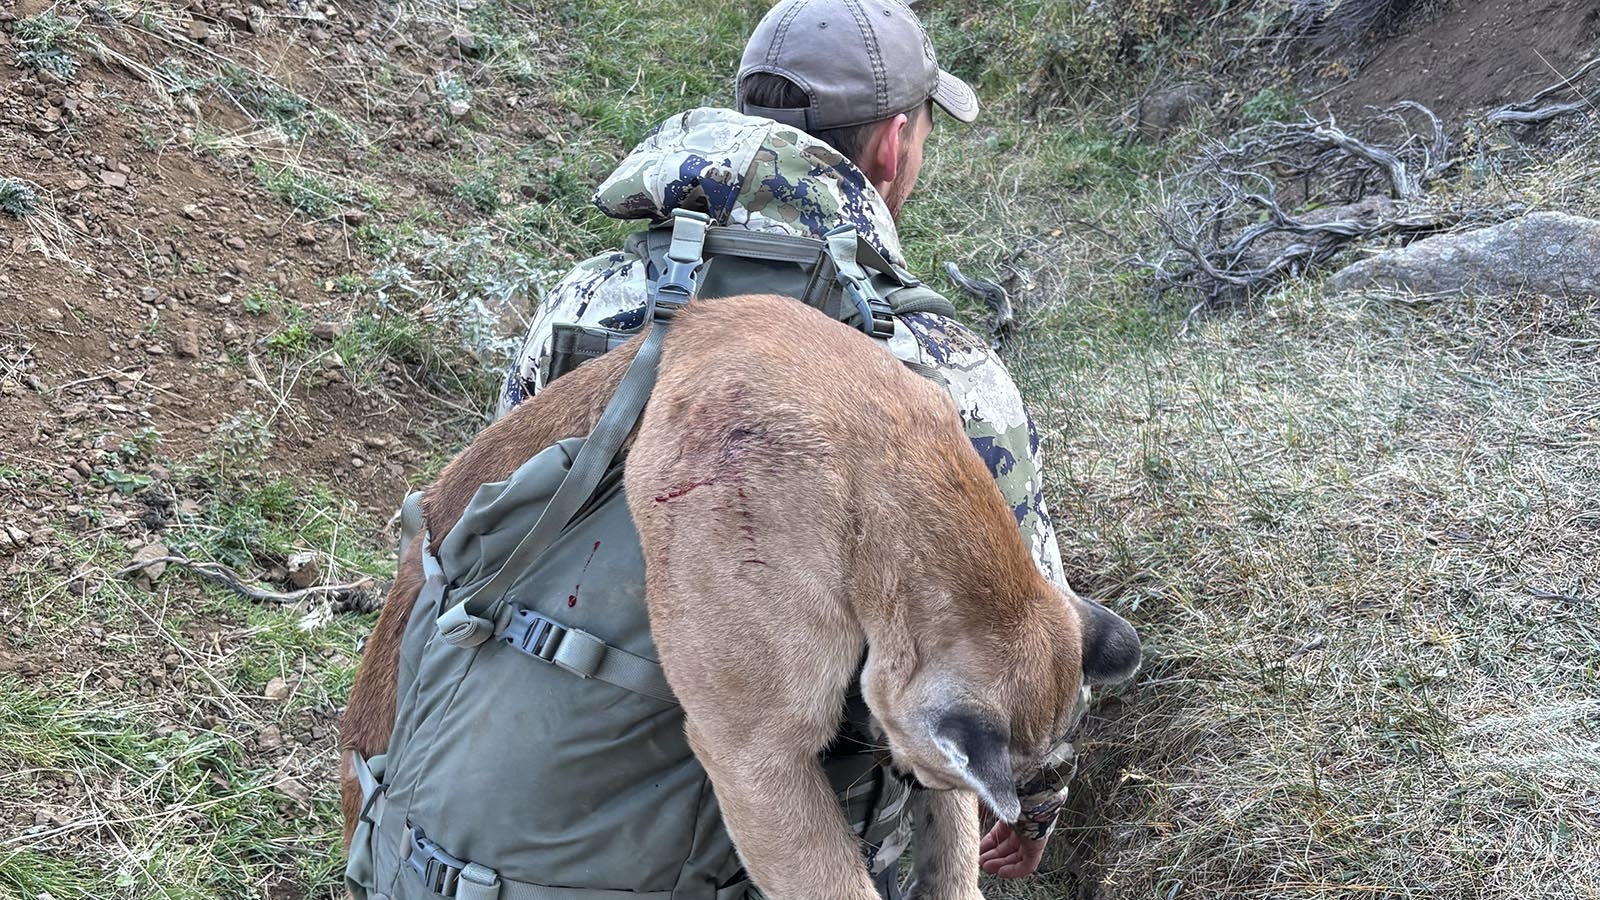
[
  {"x": 1361, "y": 539},
  {"x": 1358, "y": 534}
]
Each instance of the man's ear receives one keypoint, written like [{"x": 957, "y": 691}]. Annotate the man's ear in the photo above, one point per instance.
[
  {"x": 1110, "y": 645},
  {"x": 979, "y": 749},
  {"x": 882, "y": 165}
]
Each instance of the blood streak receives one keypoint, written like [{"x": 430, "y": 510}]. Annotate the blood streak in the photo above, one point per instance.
[
  {"x": 572, "y": 598},
  {"x": 679, "y": 492}
]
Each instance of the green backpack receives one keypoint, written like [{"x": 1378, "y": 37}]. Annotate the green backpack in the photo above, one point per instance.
[{"x": 537, "y": 750}]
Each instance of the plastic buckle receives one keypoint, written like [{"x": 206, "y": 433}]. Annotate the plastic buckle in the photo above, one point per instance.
[
  {"x": 877, "y": 317},
  {"x": 437, "y": 869},
  {"x": 533, "y": 634},
  {"x": 678, "y": 281},
  {"x": 685, "y": 258}
]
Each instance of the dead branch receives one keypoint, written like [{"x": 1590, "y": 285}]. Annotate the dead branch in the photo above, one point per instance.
[
  {"x": 1280, "y": 199},
  {"x": 228, "y": 578},
  {"x": 1402, "y": 185},
  {"x": 1534, "y": 111},
  {"x": 994, "y": 296}
]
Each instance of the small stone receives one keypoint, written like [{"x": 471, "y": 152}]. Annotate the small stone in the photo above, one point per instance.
[
  {"x": 151, "y": 551},
  {"x": 113, "y": 179},
  {"x": 305, "y": 568},
  {"x": 277, "y": 690},
  {"x": 297, "y": 793},
  {"x": 198, "y": 31},
  {"x": 187, "y": 344},
  {"x": 270, "y": 738},
  {"x": 235, "y": 242},
  {"x": 193, "y": 211},
  {"x": 148, "y": 294},
  {"x": 77, "y": 182}
]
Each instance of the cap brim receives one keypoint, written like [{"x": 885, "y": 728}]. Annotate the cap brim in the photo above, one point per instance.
[{"x": 955, "y": 97}]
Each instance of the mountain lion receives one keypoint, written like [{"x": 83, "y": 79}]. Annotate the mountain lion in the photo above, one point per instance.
[{"x": 802, "y": 499}]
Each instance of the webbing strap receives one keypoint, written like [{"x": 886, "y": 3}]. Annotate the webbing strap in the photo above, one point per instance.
[
  {"x": 877, "y": 319},
  {"x": 450, "y": 876},
  {"x": 410, "y": 520},
  {"x": 583, "y": 654},
  {"x": 473, "y": 621},
  {"x": 919, "y": 298},
  {"x": 586, "y": 471},
  {"x": 505, "y": 889},
  {"x": 789, "y": 248}
]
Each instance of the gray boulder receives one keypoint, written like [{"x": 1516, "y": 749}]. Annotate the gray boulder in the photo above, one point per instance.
[
  {"x": 1542, "y": 253},
  {"x": 1163, "y": 112}
]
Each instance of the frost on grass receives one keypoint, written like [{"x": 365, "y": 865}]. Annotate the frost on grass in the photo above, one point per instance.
[{"x": 1361, "y": 541}]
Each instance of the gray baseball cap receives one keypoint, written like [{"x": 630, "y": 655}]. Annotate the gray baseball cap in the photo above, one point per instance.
[{"x": 859, "y": 61}]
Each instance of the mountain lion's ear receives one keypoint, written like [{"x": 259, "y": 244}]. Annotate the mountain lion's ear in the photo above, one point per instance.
[
  {"x": 980, "y": 751},
  {"x": 1110, "y": 645}
]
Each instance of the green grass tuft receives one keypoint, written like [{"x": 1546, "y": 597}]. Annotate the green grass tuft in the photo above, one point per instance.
[{"x": 18, "y": 198}]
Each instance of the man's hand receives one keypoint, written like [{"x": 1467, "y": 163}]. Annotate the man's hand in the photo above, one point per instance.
[{"x": 1007, "y": 854}]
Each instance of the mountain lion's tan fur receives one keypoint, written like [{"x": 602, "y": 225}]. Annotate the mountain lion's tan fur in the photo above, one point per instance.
[{"x": 800, "y": 495}]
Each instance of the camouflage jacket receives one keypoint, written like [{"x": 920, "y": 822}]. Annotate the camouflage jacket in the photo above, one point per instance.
[{"x": 759, "y": 175}]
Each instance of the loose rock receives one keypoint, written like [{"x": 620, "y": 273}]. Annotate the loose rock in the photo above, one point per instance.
[
  {"x": 277, "y": 690},
  {"x": 305, "y": 568},
  {"x": 1545, "y": 253},
  {"x": 150, "y": 551},
  {"x": 1165, "y": 111}
]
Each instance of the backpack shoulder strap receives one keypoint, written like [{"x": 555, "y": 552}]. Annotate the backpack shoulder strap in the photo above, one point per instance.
[{"x": 477, "y": 618}]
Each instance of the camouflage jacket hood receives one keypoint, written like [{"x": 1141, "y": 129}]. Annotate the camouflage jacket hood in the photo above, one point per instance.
[{"x": 749, "y": 173}]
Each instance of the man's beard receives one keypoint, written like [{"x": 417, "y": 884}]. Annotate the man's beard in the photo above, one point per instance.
[{"x": 900, "y": 188}]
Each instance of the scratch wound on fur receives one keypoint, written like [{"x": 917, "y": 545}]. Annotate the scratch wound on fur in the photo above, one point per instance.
[
  {"x": 755, "y": 562},
  {"x": 679, "y": 492},
  {"x": 747, "y": 526}
]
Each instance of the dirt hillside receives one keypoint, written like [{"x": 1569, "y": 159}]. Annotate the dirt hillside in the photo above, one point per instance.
[
  {"x": 1465, "y": 56},
  {"x": 261, "y": 262}
]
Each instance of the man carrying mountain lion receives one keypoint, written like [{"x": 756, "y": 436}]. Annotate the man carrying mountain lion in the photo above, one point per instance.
[{"x": 836, "y": 101}]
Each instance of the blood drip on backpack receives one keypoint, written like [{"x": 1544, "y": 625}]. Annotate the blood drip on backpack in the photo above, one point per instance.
[{"x": 572, "y": 598}]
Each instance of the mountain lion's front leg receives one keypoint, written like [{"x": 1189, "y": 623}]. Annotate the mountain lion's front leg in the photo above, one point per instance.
[
  {"x": 946, "y": 847},
  {"x": 762, "y": 683},
  {"x": 785, "y": 821}
]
